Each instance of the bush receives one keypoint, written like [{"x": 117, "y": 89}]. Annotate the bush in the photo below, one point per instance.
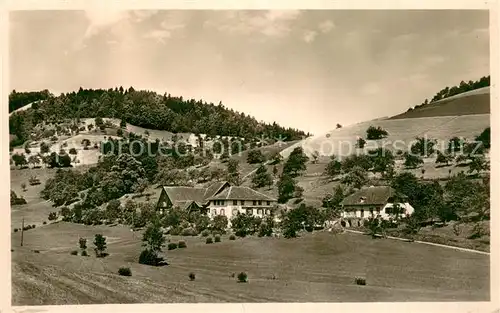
[
  {"x": 189, "y": 232},
  {"x": 149, "y": 257},
  {"x": 182, "y": 244},
  {"x": 172, "y": 246},
  {"x": 84, "y": 253},
  {"x": 192, "y": 276},
  {"x": 242, "y": 277},
  {"x": 209, "y": 240},
  {"x": 124, "y": 271},
  {"x": 217, "y": 238},
  {"x": 44, "y": 223},
  {"x": 175, "y": 231},
  {"x": 15, "y": 230},
  {"x": 205, "y": 233},
  {"x": 360, "y": 281},
  {"x": 33, "y": 226},
  {"x": 232, "y": 237},
  {"x": 74, "y": 252},
  {"x": 52, "y": 216}
]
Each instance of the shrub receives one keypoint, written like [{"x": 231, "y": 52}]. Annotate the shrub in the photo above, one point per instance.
[
  {"x": 192, "y": 276},
  {"x": 52, "y": 216},
  {"x": 242, "y": 277},
  {"x": 84, "y": 253},
  {"x": 182, "y": 244},
  {"x": 124, "y": 271},
  {"x": 232, "y": 237},
  {"x": 217, "y": 238},
  {"x": 15, "y": 230},
  {"x": 360, "y": 281},
  {"x": 209, "y": 240},
  {"x": 147, "y": 257},
  {"x": 205, "y": 233},
  {"x": 172, "y": 246},
  {"x": 44, "y": 223},
  {"x": 189, "y": 232},
  {"x": 74, "y": 252},
  {"x": 36, "y": 251},
  {"x": 175, "y": 231},
  {"x": 33, "y": 226}
]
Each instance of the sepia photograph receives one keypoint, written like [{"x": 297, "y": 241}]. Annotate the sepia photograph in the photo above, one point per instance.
[{"x": 249, "y": 156}]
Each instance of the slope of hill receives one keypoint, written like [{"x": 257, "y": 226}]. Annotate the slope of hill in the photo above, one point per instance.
[
  {"x": 464, "y": 115},
  {"x": 318, "y": 267},
  {"x": 467, "y": 103},
  {"x": 401, "y": 133}
]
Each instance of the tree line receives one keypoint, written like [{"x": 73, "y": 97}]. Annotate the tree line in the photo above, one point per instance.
[
  {"x": 149, "y": 110},
  {"x": 455, "y": 90}
]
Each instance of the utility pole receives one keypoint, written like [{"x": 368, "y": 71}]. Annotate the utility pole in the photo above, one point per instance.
[{"x": 22, "y": 233}]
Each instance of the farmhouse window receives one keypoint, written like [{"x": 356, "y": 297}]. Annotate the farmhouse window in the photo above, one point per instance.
[
  {"x": 259, "y": 211},
  {"x": 254, "y": 202},
  {"x": 214, "y": 212},
  {"x": 362, "y": 213},
  {"x": 260, "y": 202},
  {"x": 249, "y": 211},
  {"x": 242, "y": 202},
  {"x": 268, "y": 212},
  {"x": 222, "y": 212},
  {"x": 268, "y": 202},
  {"x": 235, "y": 202}
]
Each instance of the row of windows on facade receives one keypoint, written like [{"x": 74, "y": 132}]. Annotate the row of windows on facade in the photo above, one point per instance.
[
  {"x": 242, "y": 202},
  {"x": 248, "y": 211},
  {"x": 388, "y": 210}
]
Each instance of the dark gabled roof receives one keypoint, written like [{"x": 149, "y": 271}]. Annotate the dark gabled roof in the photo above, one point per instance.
[
  {"x": 213, "y": 189},
  {"x": 241, "y": 193},
  {"x": 373, "y": 195},
  {"x": 181, "y": 194}
]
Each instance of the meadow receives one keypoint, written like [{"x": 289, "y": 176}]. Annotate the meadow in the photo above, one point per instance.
[{"x": 316, "y": 267}]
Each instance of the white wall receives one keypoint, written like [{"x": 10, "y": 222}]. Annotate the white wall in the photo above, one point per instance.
[
  {"x": 357, "y": 213},
  {"x": 228, "y": 207}
]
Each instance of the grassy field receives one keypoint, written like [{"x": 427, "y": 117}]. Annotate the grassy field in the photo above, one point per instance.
[
  {"x": 317, "y": 267},
  {"x": 467, "y": 103},
  {"x": 402, "y": 132}
]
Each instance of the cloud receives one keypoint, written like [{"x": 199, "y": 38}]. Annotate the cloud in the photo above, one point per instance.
[
  {"x": 274, "y": 23},
  {"x": 100, "y": 19},
  {"x": 309, "y": 36},
  {"x": 326, "y": 26},
  {"x": 141, "y": 15},
  {"x": 159, "y": 35},
  {"x": 167, "y": 27}
]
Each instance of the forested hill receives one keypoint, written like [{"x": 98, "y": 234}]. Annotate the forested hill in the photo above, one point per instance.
[
  {"x": 150, "y": 110},
  {"x": 455, "y": 90},
  {"x": 19, "y": 99}
]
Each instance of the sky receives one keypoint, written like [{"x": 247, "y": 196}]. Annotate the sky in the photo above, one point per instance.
[{"x": 304, "y": 69}]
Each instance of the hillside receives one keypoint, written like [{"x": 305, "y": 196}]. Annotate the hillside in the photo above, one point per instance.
[
  {"x": 149, "y": 110},
  {"x": 464, "y": 115},
  {"x": 467, "y": 103},
  {"x": 318, "y": 267}
]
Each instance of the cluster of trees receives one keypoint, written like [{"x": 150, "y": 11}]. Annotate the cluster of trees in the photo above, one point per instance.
[
  {"x": 374, "y": 133},
  {"x": 293, "y": 167},
  {"x": 150, "y": 110},
  {"x": 19, "y": 99},
  {"x": 15, "y": 199},
  {"x": 61, "y": 159},
  {"x": 455, "y": 90},
  {"x": 458, "y": 199}
]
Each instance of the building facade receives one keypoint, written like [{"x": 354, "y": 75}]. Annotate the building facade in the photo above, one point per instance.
[
  {"x": 375, "y": 201},
  {"x": 218, "y": 199}
]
